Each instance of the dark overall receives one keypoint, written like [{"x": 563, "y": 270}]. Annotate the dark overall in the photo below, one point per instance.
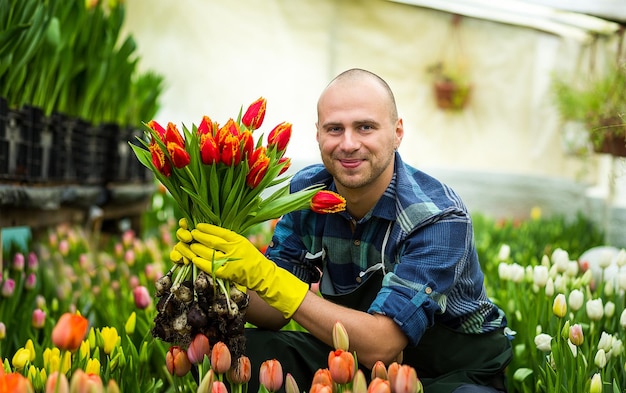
[{"x": 444, "y": 359}]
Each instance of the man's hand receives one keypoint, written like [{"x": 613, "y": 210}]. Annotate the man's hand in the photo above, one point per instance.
[{"x": 246, "y": 266}]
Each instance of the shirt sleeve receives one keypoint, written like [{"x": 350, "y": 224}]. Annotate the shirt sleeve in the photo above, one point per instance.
[{"x": 431, "y": 260}]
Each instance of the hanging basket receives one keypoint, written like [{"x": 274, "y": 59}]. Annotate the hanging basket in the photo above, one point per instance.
[{"x": 451, "y": 95}]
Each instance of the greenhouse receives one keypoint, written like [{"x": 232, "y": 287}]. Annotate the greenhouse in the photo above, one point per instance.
[{"x": 313, "y": 196}]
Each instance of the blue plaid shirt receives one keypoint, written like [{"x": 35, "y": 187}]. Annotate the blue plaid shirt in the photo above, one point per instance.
[{"x": 419, "y": 230}]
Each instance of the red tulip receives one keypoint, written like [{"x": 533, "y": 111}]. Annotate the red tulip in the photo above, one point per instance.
[
  {"x": 159, "y": 160},
  {"x": 231, "y": 151},
  {"x": 198, "y": 348},
  {"x": 69, "y": 331},
  {"x": 286, "y": 163},
  {"x": 271, "y": 375},
  {"x": 177, "y": 361},
  {"x": 247, "y": 144},
  {"x": 341, "y": 366},
  {"x": 209, "y": 151},
  {"x": 220, "y": 358},
  {"x": 279, "y": 136},
  {"x": 176, "y": 146},
  {"x": 379, "y": 385},
  {"x": 241, "y": 372},
  {"x": 15, "y": 382},
  {"x": 327, "y": 202},
  {"x": 253, "y": 118},
  {"x": 258, "y": 168},
  {"x": 206, "y": 126},
  {"x": 158, "y": 128}
]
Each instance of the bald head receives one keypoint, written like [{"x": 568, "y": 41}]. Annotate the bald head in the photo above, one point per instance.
[{"x": 358, "y": 76}]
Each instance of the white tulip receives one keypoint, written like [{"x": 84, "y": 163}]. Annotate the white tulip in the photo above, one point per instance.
[
  {"x": 550, "y": 287},
  {"x": 543, "y": 342},
  {"x": 540, "y": 275},
  {"x": 620, "y": 258},
  {"x": 504, "y": 253},
  {"x": 560, "y": 258},
  {"x": 622, "y": 319},
  {"x": 600, "y": 359},
  {"x": 576, "y": 299},
  {"x": 595, "y": 309},
  {"x": 609, "y": 309}
]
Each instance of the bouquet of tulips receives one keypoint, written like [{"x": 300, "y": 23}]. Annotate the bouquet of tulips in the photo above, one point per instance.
[{"x": 217, "y": 174}]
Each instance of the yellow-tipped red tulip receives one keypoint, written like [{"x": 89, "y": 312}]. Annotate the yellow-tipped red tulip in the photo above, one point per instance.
[
  {"x": 253, "y": 118},
  {"x": 326, "y": 202},
  {"x": 69, "y": 331},
  {"x": 231, "y": 151},
  {"x": 286, "y": 163},
  {"x": 247, "y": 144},
  {"x": 209, "y": 151},
  {"x": 258, "y": 168},
  {"x": 176, "y": 146},
  {"x": 279, "y": 137},
  {"x": 206, "y": 126}
]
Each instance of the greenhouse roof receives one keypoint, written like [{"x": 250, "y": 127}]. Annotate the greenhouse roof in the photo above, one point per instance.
[{"x": 546, "y": 15}]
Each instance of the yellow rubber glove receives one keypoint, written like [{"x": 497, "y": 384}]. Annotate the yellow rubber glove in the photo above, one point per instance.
[{"x": 247, "y": 266}]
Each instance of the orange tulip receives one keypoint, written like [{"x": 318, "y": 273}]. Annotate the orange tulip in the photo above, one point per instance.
[
  {"x": 198, "y": 348},
  {"x": 392, "y": 373},
  {"x": 279, "y": 136},
  {"x": 220, "y": 358},
  {"x": 83, "y": 382},
  {"x": 177, "y": 361},
  {"x": 69, "y": 331},
  {"x": 54, "y": 379},
  {"x": 218, "y": 387},
  {"x": 406, "y": 381},
  {"x": 341, "y": 366},
  {"x": 323, "y": 377},
  {"x": 271, "y": 375},
  {"x": 241, "y": 372},
  {"x": 15, "y": 382},
  {"x": 319, "y": 388},
  {"x": 327, "y": 202},
  {"x": 253, "y": 118},
  {"x": 379, "y": 385}
]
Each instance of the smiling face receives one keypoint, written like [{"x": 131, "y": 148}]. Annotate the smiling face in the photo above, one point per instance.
[{"x": 358, "y": 131}]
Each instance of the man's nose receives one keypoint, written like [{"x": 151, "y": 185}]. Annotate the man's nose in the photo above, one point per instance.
[{"x": 350, "y": 140}]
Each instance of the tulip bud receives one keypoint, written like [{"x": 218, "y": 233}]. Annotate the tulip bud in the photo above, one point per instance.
[
  {"x": 207, "y": 382},
  {"x": 198, "y": 348},
  {"x": 291, "y": 386},
  {"x": 110, "y": 339},
  {"x": 15, "y": 382},
  {"x": 379, "y": 385},
  {"x": 319, "y": 388},
  {"x": 359, "y": 383},
  {"x": 543, "y": 342},
  {"x": 3, "y": 331},
  {"x": 600, "y": 358},
  {"x": 55, "y": 379},
  {"x": 575, "y": 299},
  {"x": 31, "y": 281},
  {"x": 142, "y": 297},
  {"x": 559, "y": 307},
  {"x": 406, "y": 381},
  {"x": 379, "y": 370},
  {"x": 18, "y": 262},
  {"x": 8, "y": 287},
  {"x": 93, "y": 366},
  {"x": 595, "y": 310},
  {"x": 38, "y": 319},
  {"x": 177, "y": 361},
  {"x": 84, "y": 382},
  {"x": 69, "y": 331},
  {"x": 341, "y": 366},
  {"x": 340, "y": 337},
  {"x": 131, "y": 323},
  {"x": 279, "y": 137},
  {"x": 271, "y": 375},
  {"x": 21, "y": 358},
  {"x": 112, "y": 386},
  {"x": 576, "y": 334},
  {"x": 220, "y": 358},
  {"x": 253, "y": 118},
  {"x": 596, "y": 384},
  {"x": 325, "y": 202},
  {"x": 242, "y": 371},
  {"x": 322, "y": 377}
]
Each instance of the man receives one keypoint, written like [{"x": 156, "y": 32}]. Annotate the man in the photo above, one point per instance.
[{"x": 398, "y": 267}]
